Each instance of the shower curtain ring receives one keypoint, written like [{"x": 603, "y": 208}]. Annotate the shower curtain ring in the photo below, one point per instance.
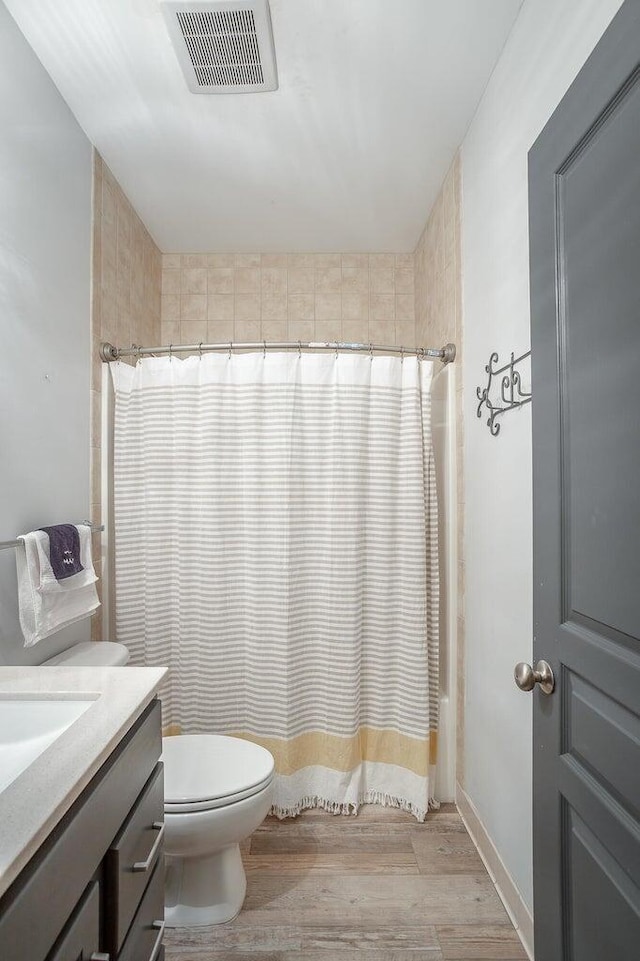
[
  {"x": 402, "y": 355},
  {"x": 200, "y": 350},
  {"x": 370, "y": 351},
  {"x": 336, "y": 349},
  {"x": 264, "y": 350},
  {"x": 139, "y": 352},
  {"x": 299, "y": 348},
  {"x": 170, "y": 352},
  {"x": 230, "y": 348}
]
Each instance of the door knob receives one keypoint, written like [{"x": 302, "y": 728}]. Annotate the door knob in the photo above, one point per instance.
[{"x": 526, "y": 677}]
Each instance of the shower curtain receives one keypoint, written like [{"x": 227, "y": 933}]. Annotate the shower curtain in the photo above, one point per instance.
[{"x": 276, "y": 547}]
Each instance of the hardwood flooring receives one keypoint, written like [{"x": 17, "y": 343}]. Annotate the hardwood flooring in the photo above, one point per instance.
[{"x": 379, "y": 887}]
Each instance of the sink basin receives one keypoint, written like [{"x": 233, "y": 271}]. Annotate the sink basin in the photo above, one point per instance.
[{"x": 29, "y": 725}]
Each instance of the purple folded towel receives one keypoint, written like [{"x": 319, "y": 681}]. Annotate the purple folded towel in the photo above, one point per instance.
[{"x": 64, "y": 550}]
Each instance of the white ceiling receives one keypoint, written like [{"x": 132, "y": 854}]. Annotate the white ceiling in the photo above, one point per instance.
[{"x": 348, "y": 154}]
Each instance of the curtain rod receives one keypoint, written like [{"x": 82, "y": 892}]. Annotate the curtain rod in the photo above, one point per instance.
[
  {"x": 95, "y": 529},
  {"x": 109, "y": 353}
]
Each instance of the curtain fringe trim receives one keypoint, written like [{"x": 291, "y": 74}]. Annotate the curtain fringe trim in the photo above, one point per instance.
[{"x": 352, "y": 807}]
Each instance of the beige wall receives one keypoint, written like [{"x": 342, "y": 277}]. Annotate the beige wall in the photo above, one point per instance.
[
  {"x": 217, "y": 298},
  {"x": 438, "y": 296},
  {"x": 126, "y": 285}
]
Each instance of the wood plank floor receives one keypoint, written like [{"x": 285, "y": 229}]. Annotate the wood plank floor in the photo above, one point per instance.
[{"x": 377, "y": 887}]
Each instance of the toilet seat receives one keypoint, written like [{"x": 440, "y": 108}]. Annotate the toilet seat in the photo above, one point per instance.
[{"x": 208, "y": 771}]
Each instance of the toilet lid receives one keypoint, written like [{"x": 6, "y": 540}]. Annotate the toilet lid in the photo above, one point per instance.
[{"x": 204, "y": 767}]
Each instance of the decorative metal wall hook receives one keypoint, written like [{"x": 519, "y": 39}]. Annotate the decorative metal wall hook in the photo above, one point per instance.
[{"x": 511, "y": 393}]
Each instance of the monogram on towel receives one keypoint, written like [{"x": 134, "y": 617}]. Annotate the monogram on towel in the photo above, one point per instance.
[{"x": 64, "y": 550}]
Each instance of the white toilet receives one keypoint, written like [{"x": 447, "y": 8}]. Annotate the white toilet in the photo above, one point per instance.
[{"x": 217, "y": 791}]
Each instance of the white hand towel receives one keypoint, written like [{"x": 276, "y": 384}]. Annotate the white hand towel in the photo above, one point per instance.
[{"x": 46, "y": 604}]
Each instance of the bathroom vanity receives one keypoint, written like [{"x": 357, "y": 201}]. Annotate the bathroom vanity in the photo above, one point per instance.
[{"x": 81, "y": 828}]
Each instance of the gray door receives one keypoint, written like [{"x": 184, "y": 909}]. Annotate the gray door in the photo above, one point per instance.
[{"x": 584, "y": 209}]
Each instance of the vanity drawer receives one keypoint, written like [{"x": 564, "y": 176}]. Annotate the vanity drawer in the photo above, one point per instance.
[
  {"x": 131, "y": 859},
  {"x": 81, "y": 936},
  {"x": 144, "y": 941}
]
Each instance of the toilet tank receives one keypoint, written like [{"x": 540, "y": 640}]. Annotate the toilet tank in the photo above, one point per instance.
[{"x": 91, "y": 654}]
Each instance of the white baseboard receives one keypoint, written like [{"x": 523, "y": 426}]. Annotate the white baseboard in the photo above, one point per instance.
[{"x": 502, "y": 880}]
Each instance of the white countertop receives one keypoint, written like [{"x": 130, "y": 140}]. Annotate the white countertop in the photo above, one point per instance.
[{"x": 36, "y": 800}]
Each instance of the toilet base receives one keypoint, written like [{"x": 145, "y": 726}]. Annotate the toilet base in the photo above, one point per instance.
[{"x": 206, "y": 890}]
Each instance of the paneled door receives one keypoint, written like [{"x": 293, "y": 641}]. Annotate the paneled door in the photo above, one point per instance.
[{"x": 584, "y": 209}]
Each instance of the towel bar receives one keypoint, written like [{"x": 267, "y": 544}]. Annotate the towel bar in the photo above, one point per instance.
[{"x": 95, "y": 529}]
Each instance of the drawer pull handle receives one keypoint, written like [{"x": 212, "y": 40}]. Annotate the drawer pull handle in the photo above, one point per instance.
[
  {"x": 159, "y": 926},
  {"x": 145, "y": 865}
]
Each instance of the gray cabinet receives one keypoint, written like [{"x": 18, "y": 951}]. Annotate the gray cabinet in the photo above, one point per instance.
[{"x": 95, "y": 887}]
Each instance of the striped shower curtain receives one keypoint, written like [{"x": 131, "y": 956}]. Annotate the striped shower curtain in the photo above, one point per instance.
[{"x": 276, "y": 547}]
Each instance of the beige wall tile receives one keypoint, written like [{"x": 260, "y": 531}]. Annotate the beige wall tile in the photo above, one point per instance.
[
  {"x": 169, "y": 332},
  {"x": 247, "y": 280},
  {"x": 328, "y": 306},
  {"x": 383, "y": 280},
  {"x": 128, "y": 284},
  {"x": 381, "y": 261},
  {"x": 247, "y": 306},
  {"x": 404, "y": 280},
  {"x": 194, "y": 260},
  {"x": 357, "y": 261},
  {"x": 328, "y": 279},
  {"x": 382, "y": 332},
  {"x": 247, "y": 331},
  {"x": 220, "y": 331},
  {"x": 274, "y": 282},
  {"x": 406, "y": 334},
  {"x": 221, "y": 260},
  {"x": 193, "y": 332},
  {"x": 301, "y": 330},
  {"x": 220, "y": 280},
  {"x": 274, "y": 330},
  {"x": 355, "y": 305},
  {"x": 300, "y": 260},
  {"x": 301, "y": 280},
  {"x": 355, "y": 330},
  {"x": 327, "y": 260},
  {"x": 355, "y": 278},
  {"x": 247, "y": 260},
  {"x": 171, "y": 282},
  {"x": 405, "y": 307},
  {"x": 221, "y": 307},
  {"x": 382, "y": 307},
  {"x": 328, "y": 330},
  {"x": 194, "y": 280},
  {"x": 301, "y": 307},
  {"x": 193, "y": 307},
  {"x": 170, "y": 309},
  {"x": 281, "y": 292},
  {"x": 273, "y": 260},
  {"x": 274, "y": 306}
]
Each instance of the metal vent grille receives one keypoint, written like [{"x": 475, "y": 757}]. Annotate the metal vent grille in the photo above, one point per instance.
[{"x": 224, "y": 47}]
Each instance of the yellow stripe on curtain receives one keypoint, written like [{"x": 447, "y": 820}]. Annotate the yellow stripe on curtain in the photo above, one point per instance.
[{"x": 345, "y": 753}]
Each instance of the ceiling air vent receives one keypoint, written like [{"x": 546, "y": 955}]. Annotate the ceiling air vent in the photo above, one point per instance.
[{"x": 224, "y": 47}]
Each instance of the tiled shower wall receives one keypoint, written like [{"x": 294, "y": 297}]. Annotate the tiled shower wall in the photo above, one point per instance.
[
  {"x": 126, "y": 285},
  {"x": 438, "y": 290},
  {"x": 218, "y": 298}
]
